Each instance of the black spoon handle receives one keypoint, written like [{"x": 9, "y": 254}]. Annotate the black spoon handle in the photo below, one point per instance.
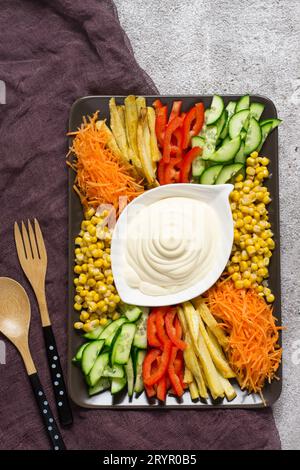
[
  {"x": 46, "y": 413},
  {"x": 60, "y": 391}
]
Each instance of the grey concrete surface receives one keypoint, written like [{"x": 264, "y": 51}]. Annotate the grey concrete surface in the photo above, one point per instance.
[{"x": 238, "y": 46}]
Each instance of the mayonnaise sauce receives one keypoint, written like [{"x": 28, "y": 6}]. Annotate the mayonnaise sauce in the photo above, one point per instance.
[{"x": 170, "y": 245}]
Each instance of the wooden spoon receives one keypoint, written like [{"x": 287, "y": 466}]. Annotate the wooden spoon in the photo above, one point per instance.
[{"x": 14, "y": 324}]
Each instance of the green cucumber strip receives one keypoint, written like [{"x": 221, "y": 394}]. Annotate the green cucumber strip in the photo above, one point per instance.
[
  {"x": 122, "y": 346},
  {"x": 140, "y": 336},
  {"x": 198, "y": 141},
  {"x": 102, "y": 384},
  {"x": 256, "y": 110},
  {"x": 230, "y": 108},
  {"x": 98, "y": 368},
  {"x": 109, "y": 332},
  {"x": 237, "y": 122},
  {"x": 133, "y": 313},
  {"x": 253, "y": 137},
  {"x": 78, "y": 356},
  {"x": 221, "y": 123},
  {"x": 198, "y": 166},
  {"x": 227, "y": 151},
  {"x": 240, "y": 156},
  {"x": 274, "y": 122},
  {"x": 214, "y": 112},
  {"x": 117, "y": 385},
  {"x": 139, "y": 384},
  {"x": 94, "y": 334},
  {"x": 114, "y": 371},
  {"x": 265, "y": 131},
  {"x": 210, "y": 175},
  {"x": 227, "y": 172},
  {"x": 211, "y": 136},
  {"x": 129, "y": 376},
  {"x": 243, "y": 103},
  {"x": 90, "y": 354}
]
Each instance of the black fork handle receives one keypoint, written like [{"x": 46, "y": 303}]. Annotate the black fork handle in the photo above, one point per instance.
[
  {"x": 46, "y": 413},
  {"x": 60, "y": 391}
]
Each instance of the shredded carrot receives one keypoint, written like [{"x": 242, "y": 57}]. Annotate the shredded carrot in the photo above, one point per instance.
[
  {"x": 253, "y": 350},
  {"x": 100, "y": 176}
]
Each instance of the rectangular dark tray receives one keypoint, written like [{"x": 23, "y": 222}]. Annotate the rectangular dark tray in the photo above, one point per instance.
[{"x": 87, "y": 106}]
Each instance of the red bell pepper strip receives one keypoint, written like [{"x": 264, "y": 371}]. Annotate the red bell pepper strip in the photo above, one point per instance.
[
  {"x": 157, "y": 104},
  {"x": 150, "y": 391},
  {"x": 176, "y": 148},
  {"x": 172, "y": 170},
  {"x": 161, "y": 172},
  {"x": 174, "y": 379},
  {"x": 196, "y": 116},
  {"x": 149, "y": 360},
  {"x": 187, "y": 163},
  {"x": 171, "y": 128},
  {"x": 150, "y": 378},
  {"x": 162, "y": 388},
  {"x": 160, "y": 325},
  {"x": 152, "y": 331},
  {"x": 160, "y": 124},
  {"x": 171, "y": 330},
  {"x": 176, "y": 107}
]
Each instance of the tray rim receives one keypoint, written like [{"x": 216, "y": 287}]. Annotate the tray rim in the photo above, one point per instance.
[{"x": 196, "y": 405}]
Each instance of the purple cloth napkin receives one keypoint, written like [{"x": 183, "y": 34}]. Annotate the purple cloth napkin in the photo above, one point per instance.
[{"x": 51, "y": 53}]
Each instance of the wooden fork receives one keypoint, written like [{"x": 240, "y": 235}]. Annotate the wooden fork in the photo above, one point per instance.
[{"x": 33, "y": 259}]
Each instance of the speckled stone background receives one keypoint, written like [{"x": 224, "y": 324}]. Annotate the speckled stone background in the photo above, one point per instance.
[{"x": 239, "y": 46}]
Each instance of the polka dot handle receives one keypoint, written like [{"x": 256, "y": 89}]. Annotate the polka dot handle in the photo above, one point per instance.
[
  {"x": 60, "y": 391},
  {"x": 46, "y": 413}
]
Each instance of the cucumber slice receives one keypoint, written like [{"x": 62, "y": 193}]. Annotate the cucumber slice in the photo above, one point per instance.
[
  {"x": 198, "y": 141},
  {"x": 90, "y": 355},
  {"x": 109, "y": 332},
  {"x": 210, "y": 175},
  {"x": 117, "y": 385},
  {"x": 94, "y": 334},
  {"x": 227, "y": 139},
  {"x": 133, "y": 313},
  {"x": 265, "y": 131},
  {"x": 114, "y": 371},
  {"x": 240, "y": 156},
  {"x": 122, "y": 346},
  {"x": 274, "y": 122},
  {"x": 102, "y": 384},
  {"x": 78, "y": 356},
  {"x": 227, "y": 172},
  {"x": 237, "y": 122},
  {"x": 98, "y": 368},
  {"x": 227, "y": 151},
  {"x": 243, "y": 103},
  {"x": 211, "y": 136},
  {"x": 230, "y": 108},
  {"x": 139, "y": 384},
  {"x": 256, "y": 110},
  {"x": 243, "y": 134},
  {"x": 140, "y": 336},
  {"x": 198, "y": 166},
  {"x": 129, "y": 376},
  {"x": 253, "y": 137},
  {"x": 215, "y": 110},
  {"x": 221, "y": 123}
]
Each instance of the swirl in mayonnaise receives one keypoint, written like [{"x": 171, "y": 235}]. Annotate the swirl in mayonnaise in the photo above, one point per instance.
[{"x": 170, "y": 245}]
